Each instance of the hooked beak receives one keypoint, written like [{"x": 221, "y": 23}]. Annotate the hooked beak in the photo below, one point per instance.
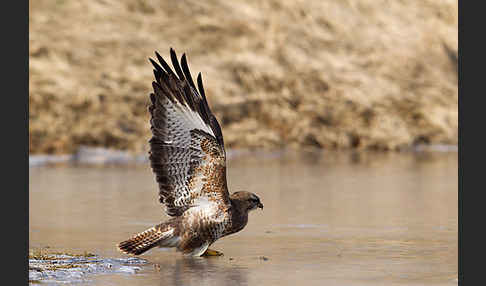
[{"x": 260, "y": 205}]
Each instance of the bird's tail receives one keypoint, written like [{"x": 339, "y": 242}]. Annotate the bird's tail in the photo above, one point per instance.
[{"x": 161, "y": 235}]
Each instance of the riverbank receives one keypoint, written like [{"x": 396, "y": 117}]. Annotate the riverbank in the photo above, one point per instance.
[{"x": 378, "y": 75}]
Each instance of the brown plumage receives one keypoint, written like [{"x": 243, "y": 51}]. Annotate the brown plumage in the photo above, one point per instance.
[{"x": 189, "y": 161}]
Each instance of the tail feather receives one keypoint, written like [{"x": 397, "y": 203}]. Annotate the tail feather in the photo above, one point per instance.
[{"x": 152, "y": 237}]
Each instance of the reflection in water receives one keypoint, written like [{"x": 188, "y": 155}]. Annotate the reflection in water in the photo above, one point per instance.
[
  {"x": 201, "y": 271},
  {"x": 330, "y": 218}
]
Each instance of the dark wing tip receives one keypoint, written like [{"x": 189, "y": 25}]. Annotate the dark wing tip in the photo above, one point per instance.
[
  {"x": 158, "y": 71},
  {"x": 201, "y": 87},
  {"x": 163, "y": 63},
  {"x": 187, "y": 72},
  {"x": 155, "y": 64},
  {"x": 175, "y": 64}
]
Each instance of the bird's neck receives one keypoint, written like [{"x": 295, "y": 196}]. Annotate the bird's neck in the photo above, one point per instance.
[{"x": 239, "y": 215}]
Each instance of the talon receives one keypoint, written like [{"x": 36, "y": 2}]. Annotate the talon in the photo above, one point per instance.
[{"x": 210, "y": 252}]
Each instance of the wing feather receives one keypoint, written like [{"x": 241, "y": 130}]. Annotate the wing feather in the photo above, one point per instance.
[{"x": 186, "y": 149}]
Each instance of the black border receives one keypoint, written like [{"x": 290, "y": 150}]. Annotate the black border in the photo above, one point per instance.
[{"x": 15, "y": 140}]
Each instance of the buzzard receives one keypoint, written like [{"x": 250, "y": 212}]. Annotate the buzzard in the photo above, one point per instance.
[{"x": 189, "y": 161}]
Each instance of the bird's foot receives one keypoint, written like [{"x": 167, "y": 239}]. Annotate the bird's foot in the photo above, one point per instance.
[{"x": 210, "y": 252}]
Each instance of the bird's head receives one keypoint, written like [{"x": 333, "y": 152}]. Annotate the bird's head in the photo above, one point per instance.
[{"x": 246, "y": 200}]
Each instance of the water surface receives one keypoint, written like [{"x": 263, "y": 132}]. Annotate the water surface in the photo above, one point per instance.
[{"x": 329, "y": 219}]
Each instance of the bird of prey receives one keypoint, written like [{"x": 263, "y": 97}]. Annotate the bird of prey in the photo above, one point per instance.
[{"x": 188, "y": 158}]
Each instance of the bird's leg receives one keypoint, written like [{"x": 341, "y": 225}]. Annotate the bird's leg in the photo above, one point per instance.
[{"x": 210, "y": 252}]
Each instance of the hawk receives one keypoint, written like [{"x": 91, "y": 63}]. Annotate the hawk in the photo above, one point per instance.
[{"x": 188, "y": 159}]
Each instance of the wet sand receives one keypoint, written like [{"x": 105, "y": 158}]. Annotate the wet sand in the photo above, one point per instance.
[{"x": 329, "y": 219}]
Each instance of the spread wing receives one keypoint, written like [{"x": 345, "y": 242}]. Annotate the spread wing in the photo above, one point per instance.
[{"x": 186, "y": 150}]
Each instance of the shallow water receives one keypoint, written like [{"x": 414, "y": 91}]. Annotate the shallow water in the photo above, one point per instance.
[{"x": 329, "y": 219}]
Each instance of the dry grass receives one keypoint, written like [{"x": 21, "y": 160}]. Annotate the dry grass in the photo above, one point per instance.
[
  {"x": 332, "y": 74},
  {"x": 47, "y": 254}
]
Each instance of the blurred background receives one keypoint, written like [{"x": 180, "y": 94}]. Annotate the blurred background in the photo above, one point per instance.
[{"x": 328, "y": 74}]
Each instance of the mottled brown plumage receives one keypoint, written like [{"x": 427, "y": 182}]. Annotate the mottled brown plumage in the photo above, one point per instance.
[{"x": 189, "y": 161}]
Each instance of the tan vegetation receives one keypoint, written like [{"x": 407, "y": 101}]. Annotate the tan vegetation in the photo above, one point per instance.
[
  {"x": 47, "y": 254},
  {"x": 331, "y": 74}
]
